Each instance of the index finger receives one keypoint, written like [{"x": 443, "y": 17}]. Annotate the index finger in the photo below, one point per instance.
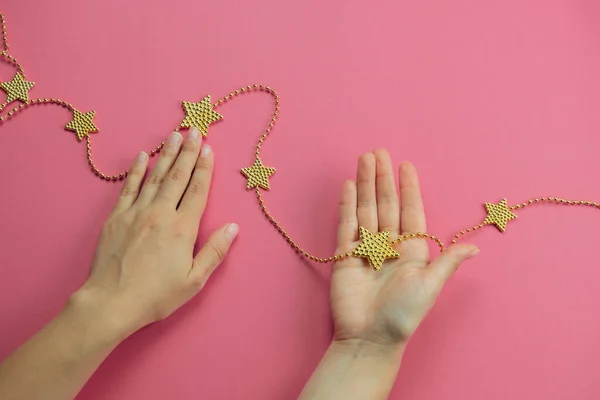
[{"x": 194, "y": 199}]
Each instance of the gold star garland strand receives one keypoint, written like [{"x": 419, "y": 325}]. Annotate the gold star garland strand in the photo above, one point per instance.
[
  {"x": 17, "y": 89},
  {"x": 375, "y": 247},
  {"x": 258, "y": 175},
  {"x": 200, "y": 115},
  {"x": 82, "y": 124}
]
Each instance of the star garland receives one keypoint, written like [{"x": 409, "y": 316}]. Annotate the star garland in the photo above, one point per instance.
[{"x": 376, "y": 247}]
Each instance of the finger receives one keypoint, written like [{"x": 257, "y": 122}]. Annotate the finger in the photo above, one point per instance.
[
  {"x": 211, "y": 255},
  {"x": 168, "y": 154},
  {"x": 348, "y": 226},
  {"x": 196, "y": 194},
  {"x": 131, "y": 187},
  {"x": 388, "y": 206},
  {"x": 412, "y": 212},
  {"x": 178, "y": 177},
  {"x": 442, "y": 268},
  {"x": 366, "y": 209}
]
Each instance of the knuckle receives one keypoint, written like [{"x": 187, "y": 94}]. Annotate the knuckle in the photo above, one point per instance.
[
  {"x": 168, "y": 151},
  {"x": 389, "y": 228},
  {"x": 387, "y": 198},
  {"x": 198, "y": 281},
  {"x": 190, "y": 146},
  {"x": 116, "y": 223},
  {"x": 413, "y": 207},
  {"x": 196, "y": 189},
  {"x": 128, "y": 191},
  {"x": 155, "y": 180},
  {"x": 218, "y": 252},
  {"x": 381, "y": 174},
  {"x": 176, "y": 174},
  {"x": 347, "y": 220},
  {"x": 136, "y": 172},
  {"x": 150, "y": 219},
  {"x": 203, "y": 166},
  {"x": 364, "y": 203},
  {"x": 365, "y": 180}
]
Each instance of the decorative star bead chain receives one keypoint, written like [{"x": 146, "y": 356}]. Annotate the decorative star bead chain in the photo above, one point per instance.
[{"x": 376, "y": 247}]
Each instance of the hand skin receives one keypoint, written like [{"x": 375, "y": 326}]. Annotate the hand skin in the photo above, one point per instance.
[
  {"x": 143, "y": 270},
  {"x": 376, "y": 312}
]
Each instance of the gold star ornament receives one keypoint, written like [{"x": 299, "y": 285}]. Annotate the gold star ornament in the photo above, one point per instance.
[
  {"x": 375, "y": 247},
  {"x": 258, "y": 175},
  {"x": 498, "y": 214},
  {"x": 17, "y": 89},
  {"x": 82, "y": 124},
  {"x": 199, "y": 115}
]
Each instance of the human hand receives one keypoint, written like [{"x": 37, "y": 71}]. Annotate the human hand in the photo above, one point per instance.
[
  {"x": 385, "y": 307},
  {"x": 144, "y": 267}
]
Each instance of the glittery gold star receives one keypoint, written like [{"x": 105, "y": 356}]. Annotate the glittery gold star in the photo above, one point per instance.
[
  {"x": 82, "y": 124},
  {"x": 498, "y": 214},
  {"x": 17, "y": 88},
  {"x": 375, "y": 247},
  {"x": 258, "y": 175},
  {"x": 200, "y": 115}
]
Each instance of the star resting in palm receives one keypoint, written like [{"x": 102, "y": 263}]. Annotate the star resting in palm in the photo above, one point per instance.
[
  {"x": 376, "y": 312},
  {"x": 386, "y": 306}
]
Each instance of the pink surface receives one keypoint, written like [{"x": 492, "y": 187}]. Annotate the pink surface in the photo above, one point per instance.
[{"x": 488, "y": 100}]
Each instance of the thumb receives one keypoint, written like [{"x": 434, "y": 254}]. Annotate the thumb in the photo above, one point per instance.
[
  {"x": 212, "y": 254},
  {"x": 448, "y": 262}
]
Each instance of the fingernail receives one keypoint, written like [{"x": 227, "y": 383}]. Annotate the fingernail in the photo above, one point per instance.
[
  {"x": 175, "y": 138},
  {"x": 206, "y": 150},
  {"x": 473, "y": 253},
  {"x": 193, "y": 135},
  {"x": 232, "y": 231},
  {"x": 142, "y": 157}
]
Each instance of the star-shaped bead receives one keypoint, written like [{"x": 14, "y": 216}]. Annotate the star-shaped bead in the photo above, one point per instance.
[
  {"x": 375, "y": 247},
  {"x": 498, "y": 214},
  {"x": 258, "y": 175},
  {"x": 18, "y": 88},
  {"x": 82, "y": 124},
  {"x": 200, "y": 115}
]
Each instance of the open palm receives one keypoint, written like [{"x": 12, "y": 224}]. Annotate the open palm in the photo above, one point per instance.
[{"x": 386, "y": 306}]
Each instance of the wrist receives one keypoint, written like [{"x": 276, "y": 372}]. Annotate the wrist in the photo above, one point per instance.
[
  {"x": 365, "y": 349},
  {"x": 355, "y": 369},
  {"x": 92, "y": 308}
]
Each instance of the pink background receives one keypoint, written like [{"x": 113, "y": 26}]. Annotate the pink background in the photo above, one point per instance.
[{"x": 489, "y": 100}]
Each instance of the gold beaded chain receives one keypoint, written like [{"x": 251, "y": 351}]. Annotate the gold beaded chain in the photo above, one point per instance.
[{"x": 375, "y": 247}]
